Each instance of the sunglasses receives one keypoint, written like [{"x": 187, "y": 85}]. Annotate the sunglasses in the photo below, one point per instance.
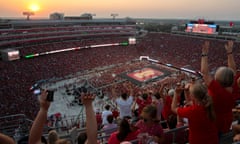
[{"x": 146, "y": 120}]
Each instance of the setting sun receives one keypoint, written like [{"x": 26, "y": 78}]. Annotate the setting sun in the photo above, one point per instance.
[{"x": 34, "y": 7}]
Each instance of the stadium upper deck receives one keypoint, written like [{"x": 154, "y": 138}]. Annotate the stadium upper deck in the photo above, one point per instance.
[
  {"x": 17, "y": 24},
  {"x": 44, "y": 31}
]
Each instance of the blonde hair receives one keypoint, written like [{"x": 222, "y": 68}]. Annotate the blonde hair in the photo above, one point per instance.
[
  {"x": 150, "y": 110},
  {"x": 199, "y": 92},
  {"x": 52, "y": 137}
]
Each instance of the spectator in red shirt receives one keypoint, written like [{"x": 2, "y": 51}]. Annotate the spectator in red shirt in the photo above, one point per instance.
[
  {"x": 238, "y": 82},
  {"x": 125, "y": 133},
  {"x": 220, "y": 87},
  {"x": 201, "y": 116},
  {"x": 167, "y": 100},
  {"x": 232, "y": 65},
  {"x": 115, "y": 113},
  {"x": 99, "y": 119},
  {"x": 236, "y": 87},
  {"x": 143, "y": 101},
  {"x": 149, "y": 126}
]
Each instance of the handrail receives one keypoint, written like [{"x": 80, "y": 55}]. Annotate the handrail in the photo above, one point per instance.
[
  {"x": 8, "y": 116},
  {"x": 14, "y": 125},
  {"x": 176, "y": 129}
]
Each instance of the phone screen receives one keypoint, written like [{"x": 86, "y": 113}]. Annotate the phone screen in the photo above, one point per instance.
[{"x": 37, "y": 91}]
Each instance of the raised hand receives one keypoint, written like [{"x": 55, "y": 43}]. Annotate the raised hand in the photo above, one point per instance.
[
  {"x": 205, "y": 47},
  {"x": 87, "y": 98},
  {"x": 229, "y": 46},
  {"x": 44, "y": 104},
  {"x": 178, "y": 89}
]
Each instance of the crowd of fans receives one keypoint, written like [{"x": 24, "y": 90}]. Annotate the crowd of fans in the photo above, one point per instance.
[
  {"x": 18, "y": 76},
  {"x": 151, "y": 99}
]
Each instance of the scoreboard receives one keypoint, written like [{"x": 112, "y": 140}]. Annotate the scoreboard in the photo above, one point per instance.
[
  {"x": 10, "y": 54},
  {"x": 205, "y": 28}
]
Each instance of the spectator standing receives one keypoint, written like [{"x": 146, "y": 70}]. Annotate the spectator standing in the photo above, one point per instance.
[
  {"x": 159, "y": 104},
  {"x": 105, "y": 114},
  {"x": 220, "y": 88},
  {"x": 124, "y": 102},
  {"x": 200, "y": 115},
  {"x": 167, "y": 101},
  {"x": 99, "y": 119},
  {"x": 110, "y": 127},
  {"x": 232, "y": 65},
  {"x": 149, "y": 126},
  {"x": 143, "y": 101},
  {"x": 125, "y": 133}
]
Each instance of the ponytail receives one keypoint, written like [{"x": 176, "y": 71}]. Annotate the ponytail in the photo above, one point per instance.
[
  {"x": 200, "y": 93},
  {"x": 209, "y": 107}
]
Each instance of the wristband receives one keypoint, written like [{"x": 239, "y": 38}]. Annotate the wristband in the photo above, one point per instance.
[
  {"x": 229, "y": 53},
  {"x": 204, "y": 55}
]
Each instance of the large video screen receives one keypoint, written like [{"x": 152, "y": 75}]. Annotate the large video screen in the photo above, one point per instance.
[
  {"x": 202, "y": 28},
  {"x": 13, "y": 55}
]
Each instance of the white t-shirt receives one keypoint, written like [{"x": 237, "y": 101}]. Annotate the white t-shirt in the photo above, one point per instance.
[
  {"x": 105, "y": 113},
  {"x": 125, "y": 106}
]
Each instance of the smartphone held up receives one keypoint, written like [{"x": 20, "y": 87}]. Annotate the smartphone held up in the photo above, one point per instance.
[{"x": 50, "y": 96}]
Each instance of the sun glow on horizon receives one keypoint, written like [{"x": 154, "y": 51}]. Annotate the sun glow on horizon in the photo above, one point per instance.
[{"x": 34, "y": 7}]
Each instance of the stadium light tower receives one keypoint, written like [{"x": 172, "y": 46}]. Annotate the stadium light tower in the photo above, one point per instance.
[
  {"x": 114, "y": 15},
  {"x": 28, "y": 14}
]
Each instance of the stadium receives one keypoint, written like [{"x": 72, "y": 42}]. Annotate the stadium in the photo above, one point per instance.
[{"x": 67, "y": 56}]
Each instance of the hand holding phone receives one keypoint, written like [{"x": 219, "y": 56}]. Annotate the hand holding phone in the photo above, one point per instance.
[{"x": 50, "y": 95}]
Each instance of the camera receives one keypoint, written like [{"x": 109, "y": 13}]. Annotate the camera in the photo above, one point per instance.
[{"x": 50, "y": 96}]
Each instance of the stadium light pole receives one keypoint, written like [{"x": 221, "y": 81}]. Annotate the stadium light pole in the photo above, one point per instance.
[
  {"x": 28, "y": 14},
  {"x": 114, "y": 15}
]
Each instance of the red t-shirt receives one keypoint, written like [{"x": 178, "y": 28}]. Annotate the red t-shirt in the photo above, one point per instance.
[
  {"x": 223, "y": 102},
  {"x": 114, "y": 140},
  {"x": 201, "y": 129},
  {"x": 153, "y": 130},
  {"x": 142, "y": 103},
  {"x": 167, "y": 107},
  {"x": 236, "y": 89},
  {"x": 99, "y": 118},
  {"x": 115, "y": 113}
]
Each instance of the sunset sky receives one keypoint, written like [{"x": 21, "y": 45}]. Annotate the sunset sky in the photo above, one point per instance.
[{"x": 193, "y": 9}]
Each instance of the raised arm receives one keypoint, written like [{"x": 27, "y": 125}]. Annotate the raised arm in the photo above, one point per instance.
[
  {"x": 114, "y": 94},
  {"x": 188, "y": 100},
  {"x": 91, "y": 127},
  {"x": 229, "y": 50},
  {"x": 38, "y": 124},
  {"x": 161, "y": 89},
  {"x": 4, "y": 139},
  {"x": 131, "y": 90},
  {"x": 128, "y": 87},
  {"x": 204, "y": 63},
  {"x": 177, "y": 93}
]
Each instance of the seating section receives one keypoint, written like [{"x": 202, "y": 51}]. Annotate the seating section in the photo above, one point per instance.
[{"x": 17, "y": 77}]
